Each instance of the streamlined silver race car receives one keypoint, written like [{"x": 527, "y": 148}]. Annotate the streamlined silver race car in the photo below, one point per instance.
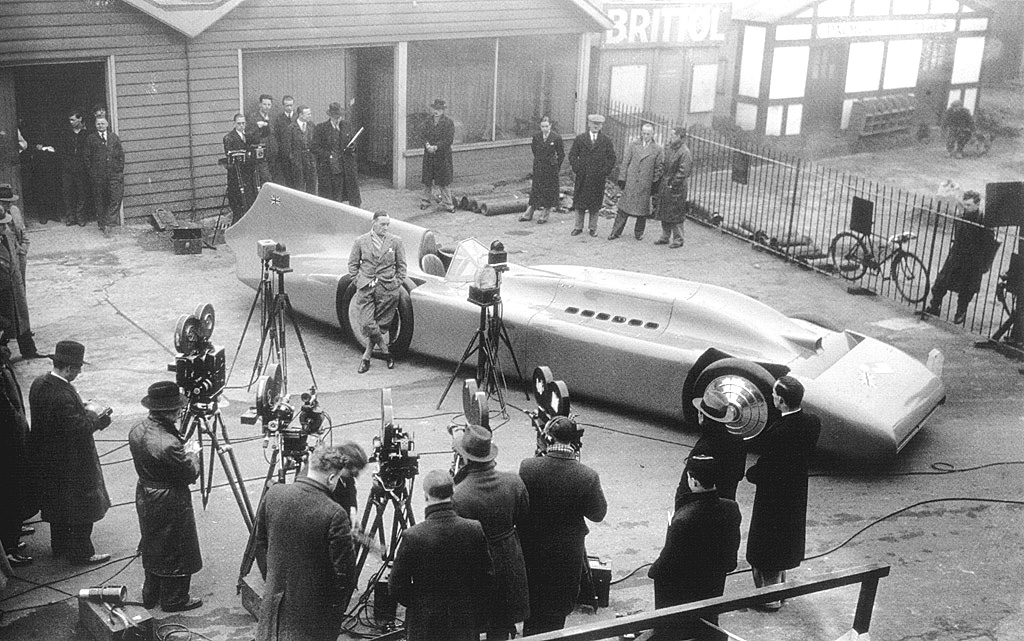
[{"x": 646, "y": 342}]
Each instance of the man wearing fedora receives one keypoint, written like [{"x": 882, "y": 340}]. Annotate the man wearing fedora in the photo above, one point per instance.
[
  {"x": 500, "y": 502},
  {"x": 778, "y": 521},
  {"x": 714, "y": 413},
  {"x": 563, "y": 492},
  {"x": 69, "y": 479},
  {"x": 166, "y": 466},
  {"x": 592, "y": 158},
  {"x": 700, "y": 550},
  {"x": 14, "y": 318},
  {"x": 438, "y": 136},
  {"x": 443, "y": 573},
  {"x": 336, "y": 156}
]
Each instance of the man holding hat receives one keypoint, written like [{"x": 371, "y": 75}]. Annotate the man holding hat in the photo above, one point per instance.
[
  {"x": 500, "y": 502},
  {"x": 71, "y": 491},
  {"x": 14, "y": 320},
  {"x": 562, "y": 493},
  {"x": 592, "y": 158},
  {"x": 442, "y": 572},
  {"x": 166, "y": 466},
  {"x": 336, "y": 153},
  {"x": 438, "y": 136}
]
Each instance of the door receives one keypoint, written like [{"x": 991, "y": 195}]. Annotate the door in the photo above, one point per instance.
[
  {"x": 825, "y": 87},
  {"x": 373, "y": 109}
]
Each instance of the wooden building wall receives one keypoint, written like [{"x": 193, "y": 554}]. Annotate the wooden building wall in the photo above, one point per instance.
[{"x": 168, "y": 86}]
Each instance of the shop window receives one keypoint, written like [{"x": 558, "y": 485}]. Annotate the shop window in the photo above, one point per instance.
[
  {"x": 935, "y": 54},
  {"x": 902, "y": 61},
  {"x": 460, "y": 72},
  {"x": 864, "y": 69},
  {"x": 536, "y": 77},
  {"x": 970, "y": 98},
  {"x": 794, "y": 118},
  {"x": 789, "y": 72},
  {"x": 751, "y": 60},
  {"x": 773, "y": 121},
  {"x": 702, "y": 88},
  {"x": 967, "y": 60},
  {"x": 746, "y": 116}
]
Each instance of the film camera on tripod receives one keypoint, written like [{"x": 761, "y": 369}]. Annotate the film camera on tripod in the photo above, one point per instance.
[
  {"x": 199, "y": 366},
  {"x": 279, "y": 420},
  {"x": 394, "y": 450}
]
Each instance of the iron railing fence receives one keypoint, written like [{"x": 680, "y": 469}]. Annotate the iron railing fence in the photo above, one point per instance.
[{"x": 795, "y": 208}]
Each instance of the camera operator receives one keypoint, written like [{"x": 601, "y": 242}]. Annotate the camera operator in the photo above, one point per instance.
[
  {"x": 166, "y": 467},
  {"x": 442, "y": 572},
  {"x": 562, "y": 492},
  {"x": 71, "y": 490},
  {"x": 241, "y": 183},
  {"x": 304, "y": 550},
  {"x": 500, "y": 502}
]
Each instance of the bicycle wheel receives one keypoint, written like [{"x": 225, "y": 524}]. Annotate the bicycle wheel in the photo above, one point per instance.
[
  {"x": 849, "y": 255},
  {"x": 910, "y": 276}
]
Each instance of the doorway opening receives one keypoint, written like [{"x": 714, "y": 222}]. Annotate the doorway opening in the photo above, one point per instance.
[{"x": 373, "y": 109}]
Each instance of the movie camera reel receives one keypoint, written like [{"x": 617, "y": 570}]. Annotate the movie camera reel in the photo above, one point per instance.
[
  {"x": 477, "y": 412},
  {"x": 552, "y": 402},
  {"x": 277, "y": 417},
  {"x": 394, "y": 450},
  {"x": 199, "y": 366}
]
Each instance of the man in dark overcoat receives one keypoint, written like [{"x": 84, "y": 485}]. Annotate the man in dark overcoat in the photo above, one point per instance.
[
  {"x": 500, "y": 502},
  {"x": 377, "y": 266},
  {"x": 282, "y": 121},
  {"x": 562, "y": 493},
  {"x": 548, "y": 154},
  {"x": 729, "y": 451},
  {"x": 642, "y": 165},
  {"x": 68, "y": 476},
  {"x": 438, "y": 171},
  {"x": 14, "y": 455},
  {"x": 339, "y": 179},
  {"x": 166, "y": 467},
  {"x": 442, "y": 572},
  {"x": 967, "y": 261},
  {"x": 700, "y": 550},
  {"x": 14, "y": 316},
  {"x": 241, "y": 170},
  {"x": 671, "y": 209},
  {"x": 305, "y": 552},
  {"x": 299, "y": 148},
  {"x": 74, "y": 175},
  {"x": 104, "y": 156},
  {"x": 778, "y": 521},
  {"x": 592, "y": 158}
]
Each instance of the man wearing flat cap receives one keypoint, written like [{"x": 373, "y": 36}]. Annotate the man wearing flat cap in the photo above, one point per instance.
[
  {"x": 592, "y": 158},
  {"x": 166, "y": 466},
  {"x": 442, "y": 572},
  {"x": 438, "y": 136},
  {"x": 71, "y": 491},
  {"x": 14, "y": 318},
  {"x": 714, "y": 412},
  {"x": 500, "y": 502},
  {"x": 336, "y": 154},
  {"x": 562, "y": 493}
]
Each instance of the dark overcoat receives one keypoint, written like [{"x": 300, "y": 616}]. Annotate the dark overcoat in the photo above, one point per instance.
[
  {"x": 443, "y": 576},
  {"x": 14, "y": 316},
  {"x": 562, "y": 493},
  {"x": 498, "y": 500},
  {"x": 547, "y": 164},
  {"x": 437, "y": 166},
  {"x": 14, "y": 451},
  {"x": 301, "y": 160},
  {"x": 778, "y": 521},
  {"x": 592, "y": 163},
  {"x": 335, "y": 158},
  {"x": 170, "y": 544},
  {"x": 966, "y": 263},
  {"x": 730, "y": 452},
  {"x": 305, "y": 538},
  {"x": 672, "y": 195},
  {"x": 68, "y": 476},
  {"x": 104, "y": 161}
]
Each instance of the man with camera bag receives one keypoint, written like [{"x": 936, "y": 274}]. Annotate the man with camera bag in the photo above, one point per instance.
[
  {"x": 304, "y": 550},
  {"x": 71, "y": 490},
  {"x": 562, "y": 493},
  {"x": 166, "y": 467},
  {"x": 241, "y": 186}
]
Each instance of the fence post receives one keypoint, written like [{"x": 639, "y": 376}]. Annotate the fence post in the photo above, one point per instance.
[{"x": 792, "y": 209}]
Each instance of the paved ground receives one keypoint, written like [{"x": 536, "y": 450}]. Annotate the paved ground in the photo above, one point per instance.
[{"x": 956, "y": 565}]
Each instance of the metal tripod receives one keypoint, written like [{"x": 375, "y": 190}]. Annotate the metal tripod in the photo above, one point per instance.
[
  {"x": 486, "y": 344},
  {"x": 402, "y": 518},
  {"x": 205, "y": 419}
]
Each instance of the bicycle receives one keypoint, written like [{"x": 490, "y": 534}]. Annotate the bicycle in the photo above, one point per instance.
[{"x": 852, "y": 254}]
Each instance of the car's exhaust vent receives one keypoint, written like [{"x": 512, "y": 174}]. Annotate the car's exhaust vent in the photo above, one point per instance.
[{"x": 605, "y": 316}]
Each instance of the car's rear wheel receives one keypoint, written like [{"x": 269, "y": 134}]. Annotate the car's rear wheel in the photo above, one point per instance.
[
  {"x": 400, "y": 339},
  {"x": 748, "y": 386}
]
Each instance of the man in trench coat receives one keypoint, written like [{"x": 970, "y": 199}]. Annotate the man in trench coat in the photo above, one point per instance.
[
  {"x": 641, "y": 172},
  {"x": 671, "y": 210},
  {"x": 166, "y": 467},
  {"x": 500, "y": 502},
  {"x": 68, "y": 476},
  {"x": 438, "y": 170},
  {"x": 778, "y": 521},
  {"x": 592, "y": 158}
]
